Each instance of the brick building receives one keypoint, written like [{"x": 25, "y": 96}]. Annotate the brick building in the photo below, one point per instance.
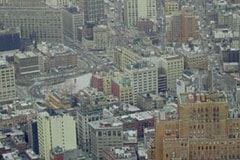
[{"x": 204, "y": 130}]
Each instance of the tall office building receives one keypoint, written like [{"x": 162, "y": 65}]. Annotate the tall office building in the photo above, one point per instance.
[
  {"x": 144, "y": 78},
  {"x": 93, "y": 10},
  {"x": 173, "y": 66},
  {"x": 7, "y": 81},
  {"x": 36, "y": 21},
  {"x": 136, "y": 9},
  {"x": 55, "y": 131},
  {"x": 204, "y": 130}
]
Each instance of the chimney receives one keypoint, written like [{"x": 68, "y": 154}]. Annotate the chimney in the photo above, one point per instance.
[
  {"x": 191, "y": 98},
  {"x": 203, "y": 97},
  {"x": 198, "y": 97}
]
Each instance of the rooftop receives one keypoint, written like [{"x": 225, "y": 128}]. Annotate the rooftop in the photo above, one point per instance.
[
  {"x": 142, "y": 64},
  {"x": 202, "y": 97},
  {"x": 106, "y": 123},
  {"x": 122, "y": 153}
]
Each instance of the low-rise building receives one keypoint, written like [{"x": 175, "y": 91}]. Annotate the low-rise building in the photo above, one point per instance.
[
  {"x": 27, "y": 63},
  {"x": 123, "y": 153}
]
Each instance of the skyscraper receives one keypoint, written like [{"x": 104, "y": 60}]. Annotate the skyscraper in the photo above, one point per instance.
[{"x": 55, "y": 131}]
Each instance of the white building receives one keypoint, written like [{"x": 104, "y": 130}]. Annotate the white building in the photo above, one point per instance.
[
  {"x": 144, "y": 78},
  {"x": 55, "y": 131},
  {"x": 135, "y": 9}
]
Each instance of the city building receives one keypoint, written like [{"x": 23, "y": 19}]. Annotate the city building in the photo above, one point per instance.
[
  {"x": 85, "y": 114},
  {"x": 150, "y": 101},
  {"x": 32, "y": 133},
  {"x": 9, "y": 39},
  {"x": 57, "y": 3},
  {"x": 124, "y": 56},
  {"x": 101, "y": 37},
  {"x": 123, "y": 153},
  {"x": 73, "y": 21},
  {"x": 57, "y": 56},
  {"x": 55, "y": 131},
  {"x": 182, "y": 27},
  {"x": 93, "y": 11},
  {"x": 204, "y": 129},
  {"x": 136, "y": 9},
  {"x": 195, "y": 61},
  {"x": 102, "y": 81},
  {"x": 35, "y": 22},
  {"x": 27, "y": 63},
  {"x": 7, "y": 81},
  {"x": 59, "y": 99},
  {"x": 105, "y": 133},
  {"x": 171, "y": 7},
  {"x": 230, "y": 60},
  {"x": 138, "y": 121},
  {"x": 122, "y": 89},
  {"x": 173, "y": 66},
  {"x": 143, "y": 76}
]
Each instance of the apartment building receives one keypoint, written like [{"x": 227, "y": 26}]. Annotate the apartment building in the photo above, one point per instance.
[
  {"x": 55, "y": 131},
  {"x": 182, "y": 27}
]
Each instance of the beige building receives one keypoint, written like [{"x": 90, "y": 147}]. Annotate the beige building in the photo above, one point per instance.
[
  {"x": 143, "y": 76},
  {"x": 196, "y": 61},
  {"x": 101, "y": 37},
  {"x": 73, "y": 21},
  {"x": 105, "y": 133},
  {"x": 173, "y": 66},
  {"x": 136, "y": 9},
  {"x": 121, "y": 88},
  {"x": 27, "y": 63},
  {"x": 124, "y": 56},
  {"x": 171, "y": 7},
  {"x": 55, "y": 131},
  {"x": 86, "y": 114},
  {"x": 205, "y": 130},
  {"x": 102, "y": 81},
  {"x": 38, "y": 22},
  {"x": 7, "y": 81}
]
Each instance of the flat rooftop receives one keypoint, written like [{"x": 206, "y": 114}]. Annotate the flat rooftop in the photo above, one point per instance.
[{"x": 202, "y": 97}]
